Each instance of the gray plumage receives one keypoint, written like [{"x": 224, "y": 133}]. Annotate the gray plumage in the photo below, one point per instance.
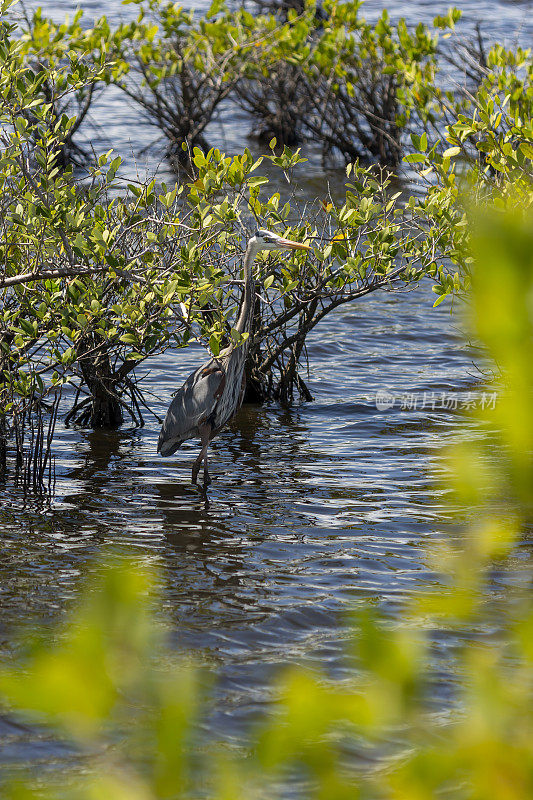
[
  {"x": 195, "y": 403},
  {"x": 212, "y": 393}
]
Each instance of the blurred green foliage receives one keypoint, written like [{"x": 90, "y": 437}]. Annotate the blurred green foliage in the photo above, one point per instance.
[{"x": 109, "y": 682}]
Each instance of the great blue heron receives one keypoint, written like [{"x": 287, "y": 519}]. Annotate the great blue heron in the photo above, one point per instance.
[{"x": 212, "y": 393}]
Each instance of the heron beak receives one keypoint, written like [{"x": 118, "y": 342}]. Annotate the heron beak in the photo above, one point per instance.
[{"x": 290, "y": 245}]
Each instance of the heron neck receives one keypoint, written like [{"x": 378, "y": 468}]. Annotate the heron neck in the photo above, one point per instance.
[{"x": 247, "y": 306}]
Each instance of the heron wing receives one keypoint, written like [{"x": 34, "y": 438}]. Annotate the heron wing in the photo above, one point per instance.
[{"x": 192, "y": 405}]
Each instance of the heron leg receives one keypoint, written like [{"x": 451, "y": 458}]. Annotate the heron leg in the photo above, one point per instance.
[
  {"x": 205, "y": 435},
  {"x": 207, "y": 479}
]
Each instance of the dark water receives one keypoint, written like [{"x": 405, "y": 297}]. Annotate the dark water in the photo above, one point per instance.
[{"x": 313, "y": 509}]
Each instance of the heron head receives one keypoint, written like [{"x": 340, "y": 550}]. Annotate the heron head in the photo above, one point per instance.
[{"x": 267, "y": 240}]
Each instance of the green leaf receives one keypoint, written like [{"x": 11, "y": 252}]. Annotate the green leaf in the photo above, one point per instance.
[
  {"x": 27, "y": 327},
  {"x": 415, "y": 158},
  {"x": 215, "y": 8},
  {"x": 439, "y": 300},
  {"x": 214, "y": 344},
  {"x": 451, "y": 152},
  {"x": 256, "y": 181}
]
